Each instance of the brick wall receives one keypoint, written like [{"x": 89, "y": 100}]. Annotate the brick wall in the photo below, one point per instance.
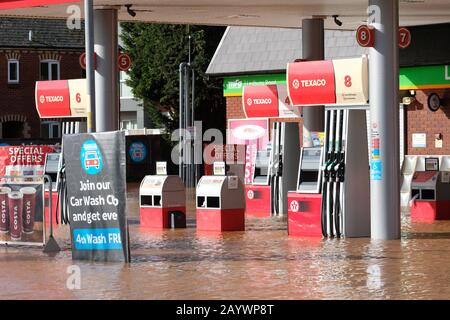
[
  {"x": 420, "y": 119},
  {"x": 18, "y": 99},
  {"x": 235, "y": 111}
]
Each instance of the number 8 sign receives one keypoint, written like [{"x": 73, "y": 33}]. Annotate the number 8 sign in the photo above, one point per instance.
[
  {"x": 124, "y": 62},
  {"x": 365, "y": 36}
]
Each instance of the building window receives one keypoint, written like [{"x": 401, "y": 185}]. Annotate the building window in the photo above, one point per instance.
[
  {"x": 49, "y": 70},
  {"x": 125, "y": 90},
  {"x": 50, "y": 130},
  {"x": 13, "y": 71},
  {"x": 128, "y": 125}
]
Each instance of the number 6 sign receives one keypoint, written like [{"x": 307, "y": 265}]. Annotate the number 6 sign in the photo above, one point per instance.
[{"x": 124, "y": 62}]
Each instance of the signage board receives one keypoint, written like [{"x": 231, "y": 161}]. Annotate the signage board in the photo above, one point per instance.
[
  {"x": 311, "y": 82},
  {"x": 14, "y": 4},
  {"x": 161, "y": 168},
  {"x": 419, "y": 140},
  {"x": 26, "y": 160},
  {"x": 123, "y": 62},
  {"x": 219, "y": 168},
  {"x": 96, "y": 193},
  {"x": 269, "y": 101},
  {"x": 234, "y": 86},
  {"x": 341, "y": 81},
  {"x": 352, "y": 80},
  {"x": 62, "y": 98}
]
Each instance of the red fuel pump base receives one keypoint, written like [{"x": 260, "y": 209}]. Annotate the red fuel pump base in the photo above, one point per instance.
[
  {"x": 157, "y": 218},
  {"x": 429, "y": 211},
  {"x": 304, "y": 214},
  {"x": 221, "y": 219},
  {"x": 258, "y": 201},
  {"x": 54, "y": 205}
]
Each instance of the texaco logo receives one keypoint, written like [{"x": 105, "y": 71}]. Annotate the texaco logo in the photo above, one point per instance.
[
  {"x": 250, "y": 194},
  {"x": 295, "y": 83},
  {"x": 42, "y": 99},
  {"x": 249, "y": 101},
  {"x": 294, "y": 206}
]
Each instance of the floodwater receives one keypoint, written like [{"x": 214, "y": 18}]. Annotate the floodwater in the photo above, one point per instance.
[{"x": 260, "y": 263}]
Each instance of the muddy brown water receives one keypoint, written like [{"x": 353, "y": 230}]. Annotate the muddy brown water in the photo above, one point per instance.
[{"x": 260, "y": 263}]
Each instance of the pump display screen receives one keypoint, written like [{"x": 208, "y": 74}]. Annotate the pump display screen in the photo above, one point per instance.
[
  {"x": 432, "y": 164},
  {"x": 262, "y": 172},
  {"x": 309, "y": 170},
  {"x": 52, "y": 164}
]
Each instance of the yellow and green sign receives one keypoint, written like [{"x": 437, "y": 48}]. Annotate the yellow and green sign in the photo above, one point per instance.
[
  {"x": 427, "y": 77},
  {"x": 411, "y": 78}
]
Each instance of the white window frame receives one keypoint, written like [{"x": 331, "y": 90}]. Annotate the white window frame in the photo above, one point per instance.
[
  {"x": 49, "y": 68},
  {"x": 11, "y": 61},
  {"x": 123, "y": 81}
]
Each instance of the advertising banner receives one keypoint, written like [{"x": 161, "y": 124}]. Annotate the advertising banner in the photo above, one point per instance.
[
  {"x": 254, "y": 134},
  {"x": 24, "y": 160},
  {"x": 269, "y": 101},
  {"x": 21, "y": 211},
  {"x": 341, "y": 81},
  {"x": 62, "y": 98},
  {"x": 233, "y": 155},
  {"x": 96, "y": 192}
]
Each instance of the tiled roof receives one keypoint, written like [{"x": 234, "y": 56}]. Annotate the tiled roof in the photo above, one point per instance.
[
  {"x": 47, "y": 33},
  {"x": 246, "y": 50}
]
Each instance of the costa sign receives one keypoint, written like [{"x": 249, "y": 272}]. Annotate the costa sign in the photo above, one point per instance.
[
  {"x": 268, "y": 101},
  {"x": 343, "y": 81},
  {"x": 61, "y": 98}
]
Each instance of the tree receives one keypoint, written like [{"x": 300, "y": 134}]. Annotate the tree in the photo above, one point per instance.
[{"x": 156, "y": 51}]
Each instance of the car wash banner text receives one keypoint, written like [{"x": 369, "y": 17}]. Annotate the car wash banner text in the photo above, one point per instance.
[{"x": 96, "y": 189}]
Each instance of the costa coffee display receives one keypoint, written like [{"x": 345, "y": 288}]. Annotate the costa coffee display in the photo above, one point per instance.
[
  {"x": 15, "y": 206},
  {"x": 4, "y": 214},
  {"x": 21, "y": 212}
]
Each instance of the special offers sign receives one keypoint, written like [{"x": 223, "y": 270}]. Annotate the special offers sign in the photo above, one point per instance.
[
  {"x": 343, "y": 81},
  {"x": 268, "y": 101},
  {"x": 96, "y": 188},
  {"x": 62, "y": 99}
]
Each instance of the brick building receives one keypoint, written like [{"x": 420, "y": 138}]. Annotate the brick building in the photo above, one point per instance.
[
  {"x": 33, "y": 50},
  {"x": 249, "y": 55}
]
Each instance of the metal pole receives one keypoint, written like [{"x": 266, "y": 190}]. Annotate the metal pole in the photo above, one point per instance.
[
  {"x": 384, "y": 115},
  {"x": 186, "y": 124},
  {"x": 194, "y": 165},
  {"x": 106, "y": 74},
  {"x": 312, "y": 49},
  {"x": 180, "y": 115},
  {"x": 90, "y": 72}
]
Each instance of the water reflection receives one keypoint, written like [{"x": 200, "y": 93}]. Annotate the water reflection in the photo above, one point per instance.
[{"x": 261, "y": 263}]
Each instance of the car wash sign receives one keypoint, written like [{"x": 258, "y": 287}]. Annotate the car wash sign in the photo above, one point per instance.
[
  {"x": 342, "y": 82},
  {"x": 62, "y": 99},
  {"x": 268, "y": 101},
  {"x": 96, "y": 187}
]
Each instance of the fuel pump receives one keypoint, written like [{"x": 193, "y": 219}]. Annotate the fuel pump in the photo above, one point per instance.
[
  {"x": 338, "y": 205},
  {"x": 274, "y": 172}
]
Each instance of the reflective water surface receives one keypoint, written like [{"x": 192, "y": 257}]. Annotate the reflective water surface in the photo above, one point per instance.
[{"x": 261, "y": 263}]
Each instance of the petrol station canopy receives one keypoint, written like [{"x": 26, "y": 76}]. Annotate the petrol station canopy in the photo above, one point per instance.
[{"x": 269, "y": 13}]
